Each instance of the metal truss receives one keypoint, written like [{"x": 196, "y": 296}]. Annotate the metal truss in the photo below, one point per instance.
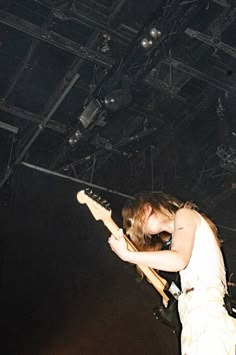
[
  {"x": 74, "y": 68},
  {"x": 224, "y": 20},
  {"x": 199, "y": 75},
  {"x": 220, "y": 24},
  {"x": 222, "y": 3},
  {"x": 227, "y": 155},
  {"x": 24, "y": 64},
  {"x": 55, "y": 39},
  {"x": 97, "y": 20},
  {"x": 164, "y": 138},
  {"x": 217, "y": 27},
  {"x": 37, "y": 132},
  {"x": 174, "y": 21},
  {"x": 44, "y": 120},
  {"x": 211, "y": 41},
  {"x": 74, "y": 13},
  {"x": 32, "y": 117}
]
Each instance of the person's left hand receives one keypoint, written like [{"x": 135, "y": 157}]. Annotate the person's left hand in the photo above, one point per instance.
[{"x": 119, "y": 245}]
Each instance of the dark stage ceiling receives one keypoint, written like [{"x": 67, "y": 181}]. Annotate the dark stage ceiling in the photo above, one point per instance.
[{"x": 122, "y": 96}]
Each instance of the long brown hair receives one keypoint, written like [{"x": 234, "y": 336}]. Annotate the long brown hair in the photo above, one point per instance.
[{"x": 134, "y": 216}]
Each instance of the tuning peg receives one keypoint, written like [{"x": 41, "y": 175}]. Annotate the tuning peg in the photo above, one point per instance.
[
  {"x": 99, "y": 199},
  {"x": 105, "y": 204},
  {"x": 96, "y": 198},
  {"x": 88, "y": 191}
]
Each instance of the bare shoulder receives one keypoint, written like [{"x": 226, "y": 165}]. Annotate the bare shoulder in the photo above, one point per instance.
[
  {"x": 187, "y": 215},
  {"x": 185, "y": 226},
  {"x": 187, "y": 220}
]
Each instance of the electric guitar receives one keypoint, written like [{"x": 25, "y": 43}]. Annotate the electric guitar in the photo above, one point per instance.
[{"x": 100, "y": 211}]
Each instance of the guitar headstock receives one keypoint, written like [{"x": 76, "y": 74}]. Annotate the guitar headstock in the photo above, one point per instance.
[{"x": 98, "y": 207}]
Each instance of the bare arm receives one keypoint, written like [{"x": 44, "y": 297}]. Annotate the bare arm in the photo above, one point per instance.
[{"x": 176, "y": 259}]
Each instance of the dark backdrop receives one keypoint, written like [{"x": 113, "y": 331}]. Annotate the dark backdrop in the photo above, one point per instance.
[{"x": 62, "y": 290}]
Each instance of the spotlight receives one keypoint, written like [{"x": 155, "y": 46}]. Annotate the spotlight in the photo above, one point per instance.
[
  {"x": 86, "y": 118},
  {"x": 72, "y": 141},
  {"x": 118, "y": 99},
  {"x": 106, "y": 43},
  {"x": 90, "y": 112},
  {"x": 109, "y": 100},
  {"x": 146, "y": 43},
  {"x": 78, "y": 134},
  {"x": 154, "y": 33}
]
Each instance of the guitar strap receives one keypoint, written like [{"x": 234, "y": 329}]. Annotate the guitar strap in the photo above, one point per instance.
[
  {"x": 230, "y": 305},
  {"x": 169, "y": 315}
]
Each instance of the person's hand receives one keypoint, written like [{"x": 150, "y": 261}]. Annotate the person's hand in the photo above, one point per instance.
[{"x": 119, "y": 245}]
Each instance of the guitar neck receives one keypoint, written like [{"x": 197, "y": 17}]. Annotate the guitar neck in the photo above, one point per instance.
[{"x": 157, "y": 281}]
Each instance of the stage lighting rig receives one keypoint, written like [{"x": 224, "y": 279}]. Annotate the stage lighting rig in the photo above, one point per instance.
[
  {"x": 117, "y": 93},
  {"x": 154, "y": 33},
  {"x": 105, "y": 46},
  {"x": 227, "y": 157},
  {"x": 150, "y": 38},
  {"x": 88, "y": 117},
  {"x": 118, "y": 99}
]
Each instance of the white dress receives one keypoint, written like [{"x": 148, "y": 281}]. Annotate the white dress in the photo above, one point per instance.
[{"x": 207, "y": 329}]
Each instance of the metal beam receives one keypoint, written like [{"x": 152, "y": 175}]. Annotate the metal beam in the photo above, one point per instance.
[
  {"x": 224, "y": 20},
  {"x": 91, "y": 19},
  {"x": 55, "y": 39},
  {"x": 116, "y": 8},
  {"x": 94, "y": 24},
  {"x": 19, "y": 70},
  {"x": 23, "y": 64},
  {"x": 211, "y": 41},
  {"x": 73, "y": 69},
  {"x": 199, "y": 75},
  {"x": 222, "y": 3},
  {"x": 30, "y": 116},
  {"x": 176, "y": 18},
  {"x": 38, "y": 131},
  {"x": 221, "y": 23},
  {"x": 9, "y": 127}
]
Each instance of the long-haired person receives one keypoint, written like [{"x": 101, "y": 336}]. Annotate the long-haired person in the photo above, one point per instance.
[{"x": 207, "y": 328}]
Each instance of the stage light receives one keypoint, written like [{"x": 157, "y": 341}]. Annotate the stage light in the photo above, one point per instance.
[
  {"x": 146, "y": 43},
  {"x": 73, "y": 140},
  {"x": 106, "y": 43},
  {"x": 118, "y": 99},
  {"x": 78, "y": 134},
  {"x": 154, "y": 33},
  {"x": 109, "y": 100},
  {"x": 150, "y": 37},
  {"x": 90, "y": 112}
]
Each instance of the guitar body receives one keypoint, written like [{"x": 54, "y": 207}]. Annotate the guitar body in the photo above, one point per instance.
[{"x": 169, "y": 315}]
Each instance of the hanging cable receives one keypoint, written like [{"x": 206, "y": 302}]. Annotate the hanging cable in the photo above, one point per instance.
[
  {"x": 93, "y": 167},
  {"x": 99, "y": 187}
]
